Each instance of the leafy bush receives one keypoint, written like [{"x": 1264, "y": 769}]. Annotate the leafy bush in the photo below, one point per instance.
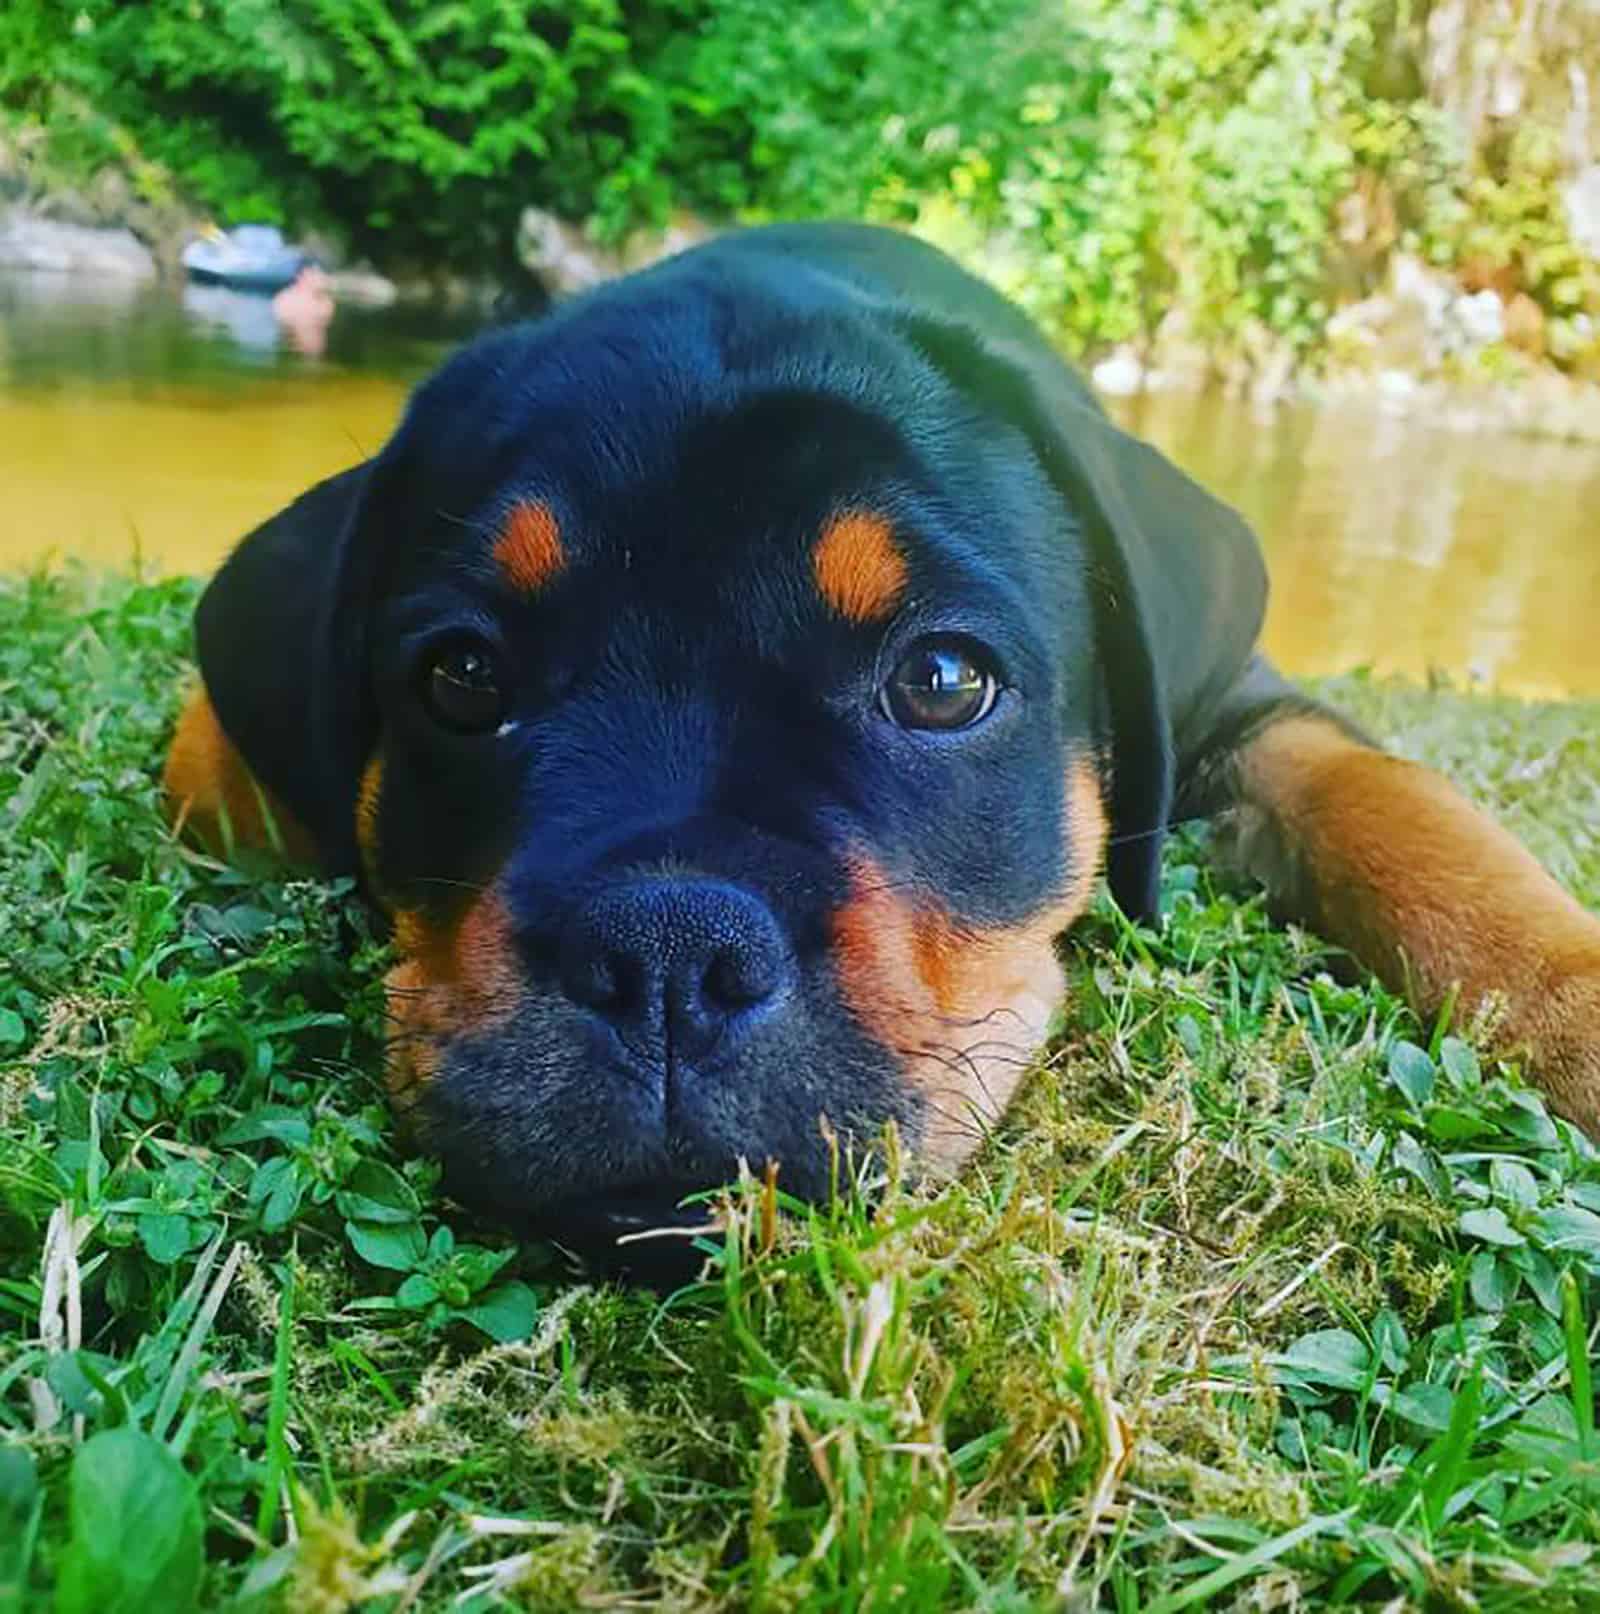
[
  {"x": 33, "y": 37},
  {"x": 1199, "y": 156},
  {"x": 1106, "y": 159},
  {"x": 420, "y": 128}
]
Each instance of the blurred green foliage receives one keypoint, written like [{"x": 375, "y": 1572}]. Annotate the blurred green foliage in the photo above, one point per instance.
[{"x": 1109, "y": 158}]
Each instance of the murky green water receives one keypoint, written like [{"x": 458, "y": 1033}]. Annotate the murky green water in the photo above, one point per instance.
[{"x": 132, "y": 423}]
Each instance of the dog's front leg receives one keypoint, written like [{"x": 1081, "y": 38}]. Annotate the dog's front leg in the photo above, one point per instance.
[{"x": 1389, "y": 860}]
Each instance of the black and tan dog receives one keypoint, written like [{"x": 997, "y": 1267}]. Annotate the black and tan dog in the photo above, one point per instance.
[{"x": 732, "y": 683}]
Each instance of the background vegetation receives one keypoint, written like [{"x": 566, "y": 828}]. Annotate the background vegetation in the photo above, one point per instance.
[
  {"x": 1268, "y": 1297},
  {"x": 1252, "y": 163}
]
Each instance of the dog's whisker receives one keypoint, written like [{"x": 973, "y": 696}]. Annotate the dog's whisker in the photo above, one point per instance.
[{"x": 477, "y": 887}]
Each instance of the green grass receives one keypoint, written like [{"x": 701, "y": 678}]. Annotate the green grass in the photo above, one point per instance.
[{"x": 1267, "y": 1297}]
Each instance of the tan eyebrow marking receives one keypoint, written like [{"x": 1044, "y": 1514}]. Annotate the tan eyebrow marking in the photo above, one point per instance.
[
  {"x": 528, "y": 550},
  {"x": 859, "y": 568}
]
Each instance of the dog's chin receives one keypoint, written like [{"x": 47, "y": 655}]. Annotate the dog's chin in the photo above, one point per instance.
[{"x": 642, "y": 1232}]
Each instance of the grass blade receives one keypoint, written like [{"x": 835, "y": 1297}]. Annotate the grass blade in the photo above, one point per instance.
[
  {"x": 277, "y": 1413},
  {"x": 1445, "y": 1459},
  {"x": 1247, "y": 1563},
  {"x": 1578, "y": 1364},
  {"x": 194, "y": 1341}
]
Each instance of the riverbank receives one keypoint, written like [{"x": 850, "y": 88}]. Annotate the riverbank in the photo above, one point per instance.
[
  {"x": 1492, "y": 392},
  {"x": 57, "y": 237},
  {"x": 1409, "y": 351},
  {"x": 1422, "y": 347},
  {"x": 1263, "y": 1293},
  {"x": 123, "y": 219}
]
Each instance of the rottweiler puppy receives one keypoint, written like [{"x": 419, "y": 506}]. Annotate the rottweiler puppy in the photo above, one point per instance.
[{"x": 733, "y": 682}]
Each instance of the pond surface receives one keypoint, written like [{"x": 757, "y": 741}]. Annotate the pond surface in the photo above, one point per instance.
[{"x": 152, "y": 425}]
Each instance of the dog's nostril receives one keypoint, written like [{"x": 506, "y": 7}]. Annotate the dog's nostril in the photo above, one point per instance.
[
  {"x": 736, "y": 978},
  {"x": 673, "y": 960}
]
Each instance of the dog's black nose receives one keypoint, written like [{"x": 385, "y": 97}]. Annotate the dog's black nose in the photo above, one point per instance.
[{"x": 675, "y": 963}]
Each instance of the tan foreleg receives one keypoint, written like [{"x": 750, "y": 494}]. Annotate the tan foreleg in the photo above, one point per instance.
[{"x": 1390, "y": 861}]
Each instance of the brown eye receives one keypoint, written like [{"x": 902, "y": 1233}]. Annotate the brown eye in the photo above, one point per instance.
[
  {"x": 461, "y": 689},
  {"x": 940, "y": 684}
]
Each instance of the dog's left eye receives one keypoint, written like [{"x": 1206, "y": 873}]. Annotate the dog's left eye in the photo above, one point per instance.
[
  {"x": 941, "y": 683},
  {"x": 461, "y": 690}
]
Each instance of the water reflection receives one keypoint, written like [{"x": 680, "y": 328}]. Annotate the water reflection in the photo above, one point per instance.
[
  {"x": 249, "y": 321},
  {"x": 297, "y": 318},
  {"x": 1407, "y": 548},
  {"x": 135, "y": 420},
  {"x": 143, "y": 421}
]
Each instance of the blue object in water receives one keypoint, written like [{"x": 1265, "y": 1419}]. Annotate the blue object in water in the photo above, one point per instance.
[{"x": 253, "y": 257}]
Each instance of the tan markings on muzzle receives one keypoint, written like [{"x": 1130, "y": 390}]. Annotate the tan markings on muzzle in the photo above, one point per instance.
[
  {"x": 964, "y": 1008},
  {"x": 455, "y": 978}
]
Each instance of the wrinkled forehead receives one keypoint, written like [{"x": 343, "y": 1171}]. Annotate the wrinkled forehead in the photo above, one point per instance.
[{"x": 853, "y": 485}]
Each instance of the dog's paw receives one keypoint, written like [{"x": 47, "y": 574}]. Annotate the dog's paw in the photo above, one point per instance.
[{"x": 1564, "y": 1041}]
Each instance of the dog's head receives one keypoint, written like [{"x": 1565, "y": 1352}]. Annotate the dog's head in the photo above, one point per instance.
[{"x": 731, "y": 685}]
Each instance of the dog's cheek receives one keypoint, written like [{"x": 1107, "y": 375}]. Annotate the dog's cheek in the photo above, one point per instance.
[
  {"x": 963, "y": 1008},
  {"x": 456, "y": 977}
]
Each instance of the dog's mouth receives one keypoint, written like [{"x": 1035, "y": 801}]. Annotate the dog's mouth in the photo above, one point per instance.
[{"x": 641, "y": 1232}]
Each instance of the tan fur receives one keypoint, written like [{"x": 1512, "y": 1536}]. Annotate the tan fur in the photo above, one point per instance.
[
  {"x": 965, "y": 1009},
  {"x": 369, "y": 805},
  {"x": 529, "y": 551},
  {"x": 213, "y": 796},
  {"x": 455, "y": 977},
  {"x": 457, "y": 973},
  {"x": 859, "y": 568},
  {"x": 1389, "y": 860}
]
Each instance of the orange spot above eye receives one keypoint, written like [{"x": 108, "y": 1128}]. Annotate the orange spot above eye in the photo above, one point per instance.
[
  {"x": 859, "y": 568},
  {"x": 528, "y": 550}
]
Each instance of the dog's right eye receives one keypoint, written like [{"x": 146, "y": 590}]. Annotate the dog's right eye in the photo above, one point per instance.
[
  {"x": 943, "y": 682},
  {"x": 461, "y": 690}
]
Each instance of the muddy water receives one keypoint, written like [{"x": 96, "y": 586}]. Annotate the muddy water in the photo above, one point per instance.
[
  {"x": 136, "y": 424},
  {"x": 1403, "y": 548}
]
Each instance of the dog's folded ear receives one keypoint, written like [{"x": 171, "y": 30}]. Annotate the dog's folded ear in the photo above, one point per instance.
[
  {"x": 1180, "y": 585},
  {"x": 281, "y": 658}
]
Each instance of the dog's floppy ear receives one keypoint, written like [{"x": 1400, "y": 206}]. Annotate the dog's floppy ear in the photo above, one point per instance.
[
  {"x": 282, "y": 660},
  {"x": 1180, "y": 585}
]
